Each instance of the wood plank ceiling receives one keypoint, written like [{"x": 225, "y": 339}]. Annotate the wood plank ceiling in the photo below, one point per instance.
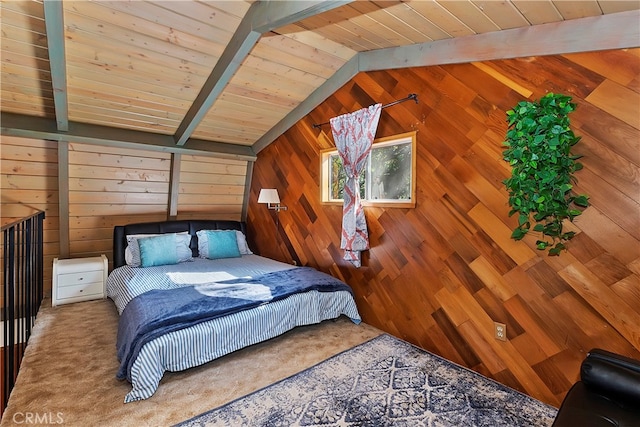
[{"x": 225, "y": 76}]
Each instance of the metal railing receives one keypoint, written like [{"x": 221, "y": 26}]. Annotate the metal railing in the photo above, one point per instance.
[{"x": 22, "y": 277}]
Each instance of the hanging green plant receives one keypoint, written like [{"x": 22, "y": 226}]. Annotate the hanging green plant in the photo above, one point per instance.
[{"x": 538, "y": 143}]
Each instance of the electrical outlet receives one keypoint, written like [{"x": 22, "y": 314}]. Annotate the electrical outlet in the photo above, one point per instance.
[{"x": 500, "y": 331}]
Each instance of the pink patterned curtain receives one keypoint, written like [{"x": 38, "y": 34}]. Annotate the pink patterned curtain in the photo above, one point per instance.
[{"x": 353, "y": 134}]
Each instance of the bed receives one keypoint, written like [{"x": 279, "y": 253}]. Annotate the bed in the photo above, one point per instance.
[{"x": 190, "y": 291}]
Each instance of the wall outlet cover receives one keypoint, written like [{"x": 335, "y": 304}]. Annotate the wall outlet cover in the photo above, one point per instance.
[{"x": 500, "y": 331}]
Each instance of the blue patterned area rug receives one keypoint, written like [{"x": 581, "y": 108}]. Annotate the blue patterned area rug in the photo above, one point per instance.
[{"x": 383, "y": 382}]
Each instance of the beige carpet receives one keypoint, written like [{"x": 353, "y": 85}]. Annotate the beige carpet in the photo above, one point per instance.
[{"x": 68, "y": 373}]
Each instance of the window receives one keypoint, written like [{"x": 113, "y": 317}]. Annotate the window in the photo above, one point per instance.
[{"x": 388, "y": 178}]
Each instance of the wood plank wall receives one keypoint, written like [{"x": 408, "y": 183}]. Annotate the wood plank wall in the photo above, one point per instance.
[
  {"x": 211, "y": 187},
  {"x": 110, "y": 186},
  {"x": 439, "y": 275},
  {"x": 113, "y": 186},
  {"x": 29, "y": 174}
]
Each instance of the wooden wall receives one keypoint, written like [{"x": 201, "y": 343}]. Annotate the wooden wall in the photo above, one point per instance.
[
  {"x": 211, "y": 187},
  {"x": 113, "y": 186},
  {"x": 109, "y": 186},
  {"x": 439, "y": 275},
  {"x": 29, "y": 174}
]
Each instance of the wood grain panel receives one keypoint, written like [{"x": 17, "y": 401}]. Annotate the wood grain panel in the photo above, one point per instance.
[
  {"x": 107, "y": 183},
  {"x": 614, "y": 98},
  {"x": 25, "y": 65},
  {"x": 29, "y": 183},
  {"x": 440, "y": 274},
  {"x": 619, "y": 314},
  {"x": 109, "y": 41},
  {"x": 210, "y": 187}
]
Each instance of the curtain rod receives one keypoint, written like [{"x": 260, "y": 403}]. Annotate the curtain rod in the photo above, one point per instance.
[{"x": 411, "y": 96}]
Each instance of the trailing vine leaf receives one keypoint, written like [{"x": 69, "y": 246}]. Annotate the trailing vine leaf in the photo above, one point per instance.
[{"x": 538, "y": 148}]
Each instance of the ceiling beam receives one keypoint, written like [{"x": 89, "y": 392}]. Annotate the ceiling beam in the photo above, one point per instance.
[
  {"x": 261, "y": 18},
  {"x": 270, "y": 15},
  {"x": 41, "y": 128},
  {"x": 54, "y": 24},
  {"x": 238, "y": 48},
  {"x": 611, "y": 31}
]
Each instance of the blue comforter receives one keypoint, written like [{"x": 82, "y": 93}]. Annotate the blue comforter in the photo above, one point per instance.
[{"x": 158, "y": 312}]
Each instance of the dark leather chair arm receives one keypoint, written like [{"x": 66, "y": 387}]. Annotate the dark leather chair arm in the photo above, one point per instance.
[
  {"x": 607, "y": 395},
  {"x": 618, "y": 359},
  {"x": 613, "y": 376}
]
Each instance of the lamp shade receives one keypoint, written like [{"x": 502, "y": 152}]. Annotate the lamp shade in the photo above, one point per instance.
[{"x": 268, "y": 195}]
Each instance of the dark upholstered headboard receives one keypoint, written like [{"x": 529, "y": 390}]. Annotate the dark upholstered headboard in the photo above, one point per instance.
[{"x": 120, "y": 232}]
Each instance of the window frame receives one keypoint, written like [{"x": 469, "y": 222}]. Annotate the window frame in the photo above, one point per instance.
[{"x": 325, "y": 173}]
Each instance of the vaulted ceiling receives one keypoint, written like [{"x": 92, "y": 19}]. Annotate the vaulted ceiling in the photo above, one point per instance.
[{"x": 231, "y": 76}]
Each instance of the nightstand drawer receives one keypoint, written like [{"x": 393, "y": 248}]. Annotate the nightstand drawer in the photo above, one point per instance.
[
  {"x": 84, "y": 290},
  {"x": 79, "y": 278}
]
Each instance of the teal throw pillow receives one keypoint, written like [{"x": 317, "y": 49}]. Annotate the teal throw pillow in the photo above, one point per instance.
[
  {"x": 223, "y": 244},
  {"x": 158, "y": 250}
]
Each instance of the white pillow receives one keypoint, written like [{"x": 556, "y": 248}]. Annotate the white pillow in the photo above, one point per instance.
[
  {"x": 242, "y": 243},
  {"x": 203, "y": 243},
  {"x": 132, "y": 252}
]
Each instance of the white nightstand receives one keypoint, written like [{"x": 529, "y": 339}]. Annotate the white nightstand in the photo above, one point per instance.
[{"x": 79, "y": 279}]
